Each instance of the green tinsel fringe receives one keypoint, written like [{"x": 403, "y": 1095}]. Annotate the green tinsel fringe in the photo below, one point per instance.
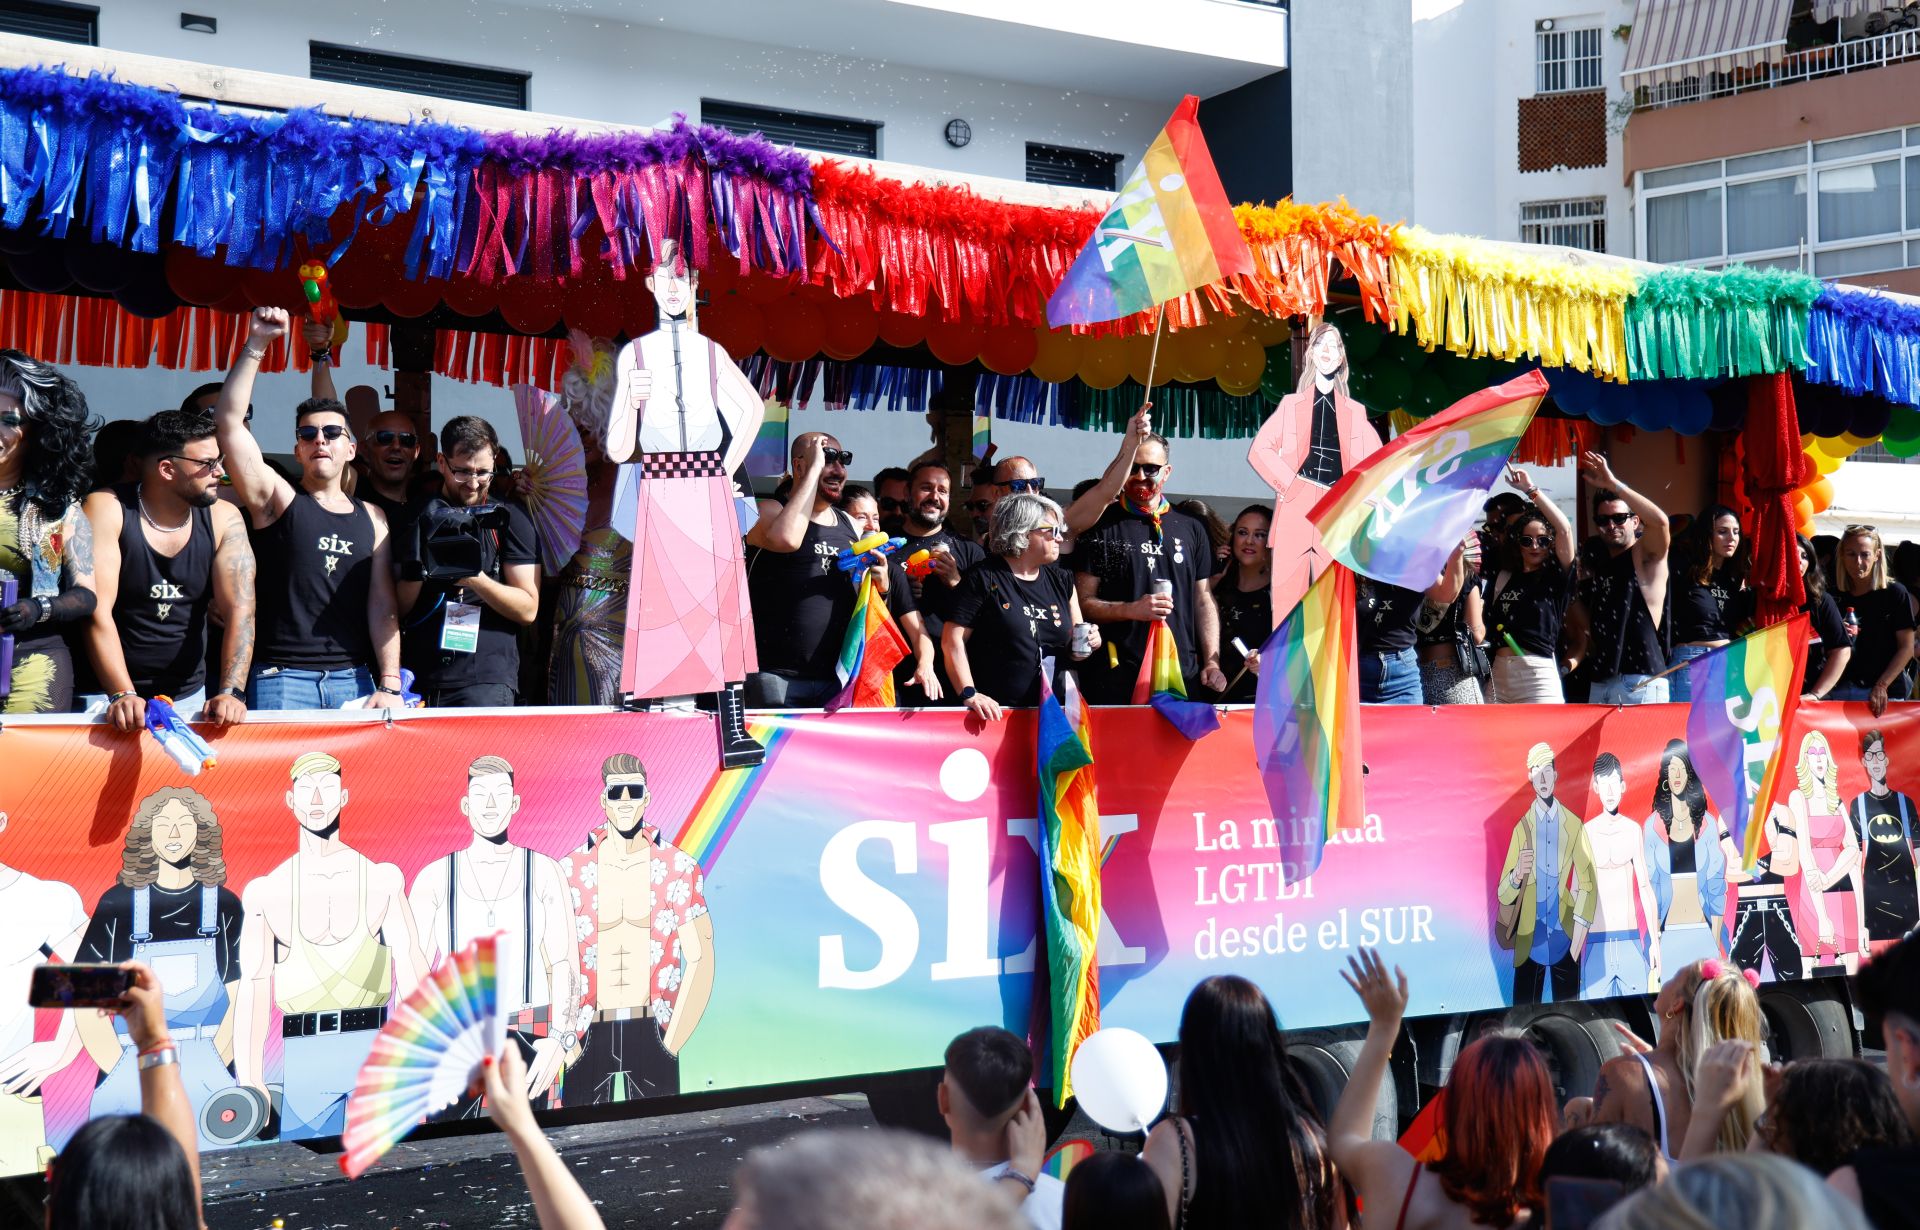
[
  {"x": 1694, "y": 324},
  {"x": 1178, "y": 411}
]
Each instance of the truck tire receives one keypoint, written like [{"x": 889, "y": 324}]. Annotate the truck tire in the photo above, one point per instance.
[
  {"x": 1324, "y": 1066},
  {"x": 1573, "y": 1046},
  {"x": 1807, "y": 1026}
]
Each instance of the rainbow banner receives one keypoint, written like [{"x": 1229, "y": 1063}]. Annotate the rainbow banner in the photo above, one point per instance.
[
  {"x": 1070, "y": 862},
  {"x": 711, "y": 821},
  {"x": 1744, "y": 698},
  {"x": 1163, "y": 685},
  {"x": 872, "y": 648},
  {"x": 1171, "y": 229},
  {"x": 1398, "y": 515},
  {"x": 1306, "y": 724},
  {"x": 768, "y": 456}
]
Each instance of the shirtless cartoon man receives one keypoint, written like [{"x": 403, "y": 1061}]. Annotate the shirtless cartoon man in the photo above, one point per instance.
[
  {"x": 1615, "y": 963},
  {"x": 494, "y": 886},
  {"x": 45, "y": 922},
  {"x": 647, "y": 947},
  {"x": 316, "y": 938}
]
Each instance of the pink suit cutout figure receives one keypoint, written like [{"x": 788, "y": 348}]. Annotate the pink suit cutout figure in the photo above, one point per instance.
[{"x": 1281, "y": 450}]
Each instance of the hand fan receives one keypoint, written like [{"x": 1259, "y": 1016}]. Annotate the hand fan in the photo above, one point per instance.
[{"x": 424, "y": 1055}]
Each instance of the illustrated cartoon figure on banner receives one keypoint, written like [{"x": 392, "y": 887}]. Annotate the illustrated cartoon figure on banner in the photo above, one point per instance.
[
  {"x": 1546, "y": 890},
  {"x": 45, "y": 922},
  {"x": 682, "y": 422},
  {"x": 171, "y": 909},
  {"x": 1316, "y": 435},
  {"x": 646, "y": 955},
  {"x": 1883, "y": 822},
  {"x": 328, "y": 936},
  {"x": 1622, "y": 957},
  {"x": 1689, "y": 868},
  {"x": 1763, "y": 929},
  {"x": 590, "y": 612},
  {"x": 1826, "y": 897},
  {"x": 493, "y": 886}
]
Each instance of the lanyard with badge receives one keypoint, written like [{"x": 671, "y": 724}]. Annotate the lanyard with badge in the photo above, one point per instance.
[{"x": 460, "y": 627}]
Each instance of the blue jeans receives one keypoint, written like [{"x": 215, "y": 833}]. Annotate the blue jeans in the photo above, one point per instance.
[
  {"x": 1626, "y": 690},
  {"x": 1681, "y": 681},
  {"x": 1391, "y": 679},
  {"x": 94, "y": 704},
  {"x": 293, "y": 687}
]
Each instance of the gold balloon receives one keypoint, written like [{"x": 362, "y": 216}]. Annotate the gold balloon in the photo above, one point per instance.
[
  {"x": 1058, "y": 356},
  {"x": 1103, "y": 362}
]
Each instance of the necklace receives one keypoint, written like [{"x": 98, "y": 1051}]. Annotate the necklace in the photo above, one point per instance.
[
  {"x": 499, "y": 886},
  {"x": 140, "y": 499}
]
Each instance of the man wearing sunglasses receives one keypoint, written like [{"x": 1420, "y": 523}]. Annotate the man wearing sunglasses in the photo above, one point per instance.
[
  {"x": 1623, "y": 588},
  {"x": 646, "y": 947},
  {"x": 167, "y": 552},
  {"x": 890, "y": 491},
  {"x": 1137, "y": 543},
  {"x": 929, "y": 488},
  {"x": 328, "y": 629},
  {"x": 801, "y": 601}
]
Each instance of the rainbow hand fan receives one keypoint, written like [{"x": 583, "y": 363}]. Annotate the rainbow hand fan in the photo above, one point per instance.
[{"x": 424, "y": 1055}]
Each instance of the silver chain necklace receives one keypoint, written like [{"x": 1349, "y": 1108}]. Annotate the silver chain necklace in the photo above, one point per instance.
[{"x": 140, "y": 499}]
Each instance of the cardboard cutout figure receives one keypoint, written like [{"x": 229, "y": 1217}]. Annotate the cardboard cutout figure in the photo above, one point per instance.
[
  {"x": 1622, "y": 955},
  {"x": 1546, "y": 890},
  {"x": 1883, "y": 823},
  {"x": 1686, "y": 862},
  {"x": 682, "y": 422},
  {"x": 47, "y": 923},
  {"x": 1316, "y": 435}
]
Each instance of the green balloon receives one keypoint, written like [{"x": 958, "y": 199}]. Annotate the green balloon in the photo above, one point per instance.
[
  {"x": 1392, "y": 385},
  {"x": 1363, "y": 340},
  {"x": 1902, "y": 436},
  {"x": 1430, "y": 395}
]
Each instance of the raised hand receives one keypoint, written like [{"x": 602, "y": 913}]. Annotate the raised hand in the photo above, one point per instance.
[
  {"x": 1385, "y": 996},
  {"x": 267, "y": 324}
]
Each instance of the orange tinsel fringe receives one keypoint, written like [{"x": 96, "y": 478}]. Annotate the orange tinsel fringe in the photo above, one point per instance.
[{"x": 1550, "y": 441}]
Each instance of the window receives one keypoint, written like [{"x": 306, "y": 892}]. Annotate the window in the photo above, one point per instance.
[
  {"x": 1070, "y": 168},
  {"x": 495, "y": 87},
  {"x": 1860, "y": 200},
  {"x": 1765, "y": 214},
  {"x": 823, "y": 134},
  {"x": 1684, "y": 226},
  {"x": 1566, "y": 60},
  {"x": 1568, "y": 224},
  {"x": 66, "y": 23}
]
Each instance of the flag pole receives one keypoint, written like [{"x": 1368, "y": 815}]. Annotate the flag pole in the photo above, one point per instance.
[{"x": 1153, "y": 358}]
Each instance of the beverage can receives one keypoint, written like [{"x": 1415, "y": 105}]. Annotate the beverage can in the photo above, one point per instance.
[
  {"x": 1163, "y": 587},
  {"x": 1082, "y": 640}
]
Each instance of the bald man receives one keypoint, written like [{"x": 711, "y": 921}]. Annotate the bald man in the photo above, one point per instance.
[{"x": 801, "y": 602}]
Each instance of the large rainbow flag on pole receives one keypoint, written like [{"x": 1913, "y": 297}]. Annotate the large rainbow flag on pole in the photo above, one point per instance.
[
  {"x": 1163, "y": 685},
  {"x": 872, "y": 648},
  {"x": 1170, "y": 229},
  {"x": 1398, "y": 515},
  {"x": 1306, "y": 724},
  {"x": 1070, "y": 856},
  {"x": 1744, "y": 699}
]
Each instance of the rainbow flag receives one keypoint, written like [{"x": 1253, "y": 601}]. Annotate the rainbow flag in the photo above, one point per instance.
[
  {"x": 1164, "y": 686},
  {"x": 1306, "y": 728},
  {"x": 1744, "y": 698},
  {"x": 1169, "y": 230},
  {"x": 729, "y": 792},
  {"x": 768, "y": 456},
  {"x": 872, "y": 648},
  {"x": 1070, "y": 858},
  {"x": 1065, "y": 1156},
  {"x": 1398, "y": 515}
]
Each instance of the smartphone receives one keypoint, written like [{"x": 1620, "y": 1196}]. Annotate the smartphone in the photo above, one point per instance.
[
  {"x": 78, "y": 986},
  {"x": 1575, "y": 1204}
]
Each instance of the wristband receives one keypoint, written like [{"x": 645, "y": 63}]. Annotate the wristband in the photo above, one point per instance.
[
  {"x": 120, "y": 696},
  {"x": 159, "y": 1058},
  {"x": 46, "y": 609},
  {"x": 164, "y": 1044},
  {"x": 1023, "y": 1180},
  {"x": 236, "y": 693},
  {"x": 258, "y": 356},
  {"x": 322, "y": 355}
]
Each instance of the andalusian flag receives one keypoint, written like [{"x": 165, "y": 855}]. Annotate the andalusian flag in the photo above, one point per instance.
[
  {"x": 1170, "y": 229},
  {"x": 1070, "y": 856},
  {"x": 1163, "y": 685},
  {"x": 871, "y": 649},
  {"x": 1398, "y": 515},
  {"x": 1744, "y": 698},
  {"x": 1306, "y": 724}
]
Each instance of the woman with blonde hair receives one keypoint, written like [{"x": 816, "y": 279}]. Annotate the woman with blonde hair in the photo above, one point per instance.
[
  {"x": 1827, "y": 903},
  {"x": 1755, "y": 1191},
  {"x": 1879, "y": 612}
]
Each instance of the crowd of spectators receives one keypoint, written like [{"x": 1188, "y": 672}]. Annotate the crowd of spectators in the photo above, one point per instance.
[
  {"x": 183, "y": 562},
  {"x": 1697, "y": 1129}
]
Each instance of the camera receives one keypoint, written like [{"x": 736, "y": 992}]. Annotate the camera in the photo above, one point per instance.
[{"x": 452, "y": 543}]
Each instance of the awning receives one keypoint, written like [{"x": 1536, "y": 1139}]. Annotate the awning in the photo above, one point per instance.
[
  {"x": 1673, "y": 40},
  {"x": 1827, "y": 10}
]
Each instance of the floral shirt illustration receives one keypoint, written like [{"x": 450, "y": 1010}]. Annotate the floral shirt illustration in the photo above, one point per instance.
[{"x": 677, "y": 896}]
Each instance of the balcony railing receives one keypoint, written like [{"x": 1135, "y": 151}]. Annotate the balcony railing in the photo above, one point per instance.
[{"x": 1807, "y": 64}]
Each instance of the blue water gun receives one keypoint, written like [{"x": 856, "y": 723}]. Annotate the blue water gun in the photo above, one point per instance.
[
  {"x": 176, "y": 738},
  {"x": 867, "y": 552},
  {"x": 9, "y": 594}
]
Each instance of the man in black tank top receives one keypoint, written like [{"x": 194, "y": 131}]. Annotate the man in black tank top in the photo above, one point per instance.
[
  {"x": 328, "y": 631},
  {"x": 167, "y": 549},
  {"x": 801, "y": 601},
  {"x": 1623, "y": 587}
]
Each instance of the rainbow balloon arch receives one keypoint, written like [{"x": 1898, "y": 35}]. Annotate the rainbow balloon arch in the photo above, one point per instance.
[{"x": 139, "y": 226}]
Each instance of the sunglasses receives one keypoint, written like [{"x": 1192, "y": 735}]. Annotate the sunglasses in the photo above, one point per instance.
[
  {"x": 837, "y": 456},
  {"x": 979, "y": 506},
  {"x": 310, "y": 433},
  {"x": 1612, "y": 518},
  {"x": 627, "y": 790},
  {"x": 1849, "y": 532},
  {"x": 1148, "y": 472},
  {"x": 205, "y": 465},
  {"x": 406, "y": 438},
  {"x": 1055, "y": 532},
  {"x": 1528, "y": 540},
  {"x": 1036, "y": 485},
  {"x": 471, "y": 476},
  {"x": 889, "y": 504}
]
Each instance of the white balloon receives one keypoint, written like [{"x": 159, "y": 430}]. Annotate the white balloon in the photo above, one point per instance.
[{"x": 1120, "y": 1079}]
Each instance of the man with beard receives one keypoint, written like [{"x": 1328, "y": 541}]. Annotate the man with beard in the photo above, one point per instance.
[
  {"x": 1623, "y": 588},
  {"x": 929, "y": 490},
  {"x": 801, "y": 601},
  {"x": 891, "y": 488},
  {"x": 1883, "y": 820},
  {"x": 166, "y": 550},
  {"x": 646, "y": 956}
]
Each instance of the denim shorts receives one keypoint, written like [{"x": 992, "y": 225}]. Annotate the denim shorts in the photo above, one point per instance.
[{"x": 294, "y": 687}]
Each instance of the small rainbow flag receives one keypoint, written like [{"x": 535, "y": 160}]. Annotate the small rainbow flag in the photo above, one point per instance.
[
  {"x": 710, "y": 825},
  {"x": 1065, "y": 1156},
  {"x": 768, "y": 456},
  {"x": 1070, "y": 856},
  {"x": 871, "y": 649},
  {"x": 1163, "y": 685},
  {"x": 1306, "y": 727},
  {"x": 1170, "y": 229},
  {"x": 1398, "y": 515},
  {"x": 1744, "y": 699},
  {"x": 982, "y": 433}
]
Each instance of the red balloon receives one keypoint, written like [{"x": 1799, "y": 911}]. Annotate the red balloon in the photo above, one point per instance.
[
  {"x": 852, "y": 327},
  {"x": 901, "y": 330},
  {"x": 469, "y": 296},
  {"x": 795, "y": 329},
  {"x": 411, "y": 299},
  {"x": 767, "y": 291},
  {"x": 198, "y": 279},
  {"x": 275, "y": 288},
  {"x": 234, "y": 302},
  {"x": 955, "y": 342},
  {"x": 1009, "y": 349},
  {"x": 530, "y": 306},
  {"x": 722, "y": 276},
  {"x": 737, "y": 324},
  {"x": 638, "y": 312}
]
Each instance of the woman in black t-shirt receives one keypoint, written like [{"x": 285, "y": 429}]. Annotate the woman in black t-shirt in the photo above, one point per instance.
[
  {"x": 1528, "y": 603},
  {"x": 1012, "y": 609},
  {"x": 1243, "y": 594},
  {"x": 1829, "y": 647},
  {"x": 1880, "y": 615},
  {"x": 1709, "y": 596}
]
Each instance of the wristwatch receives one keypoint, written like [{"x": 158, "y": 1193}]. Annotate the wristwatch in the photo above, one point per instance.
[
  {"x": 233, "y": 692},
  {"x": 968, "y": 693}
]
